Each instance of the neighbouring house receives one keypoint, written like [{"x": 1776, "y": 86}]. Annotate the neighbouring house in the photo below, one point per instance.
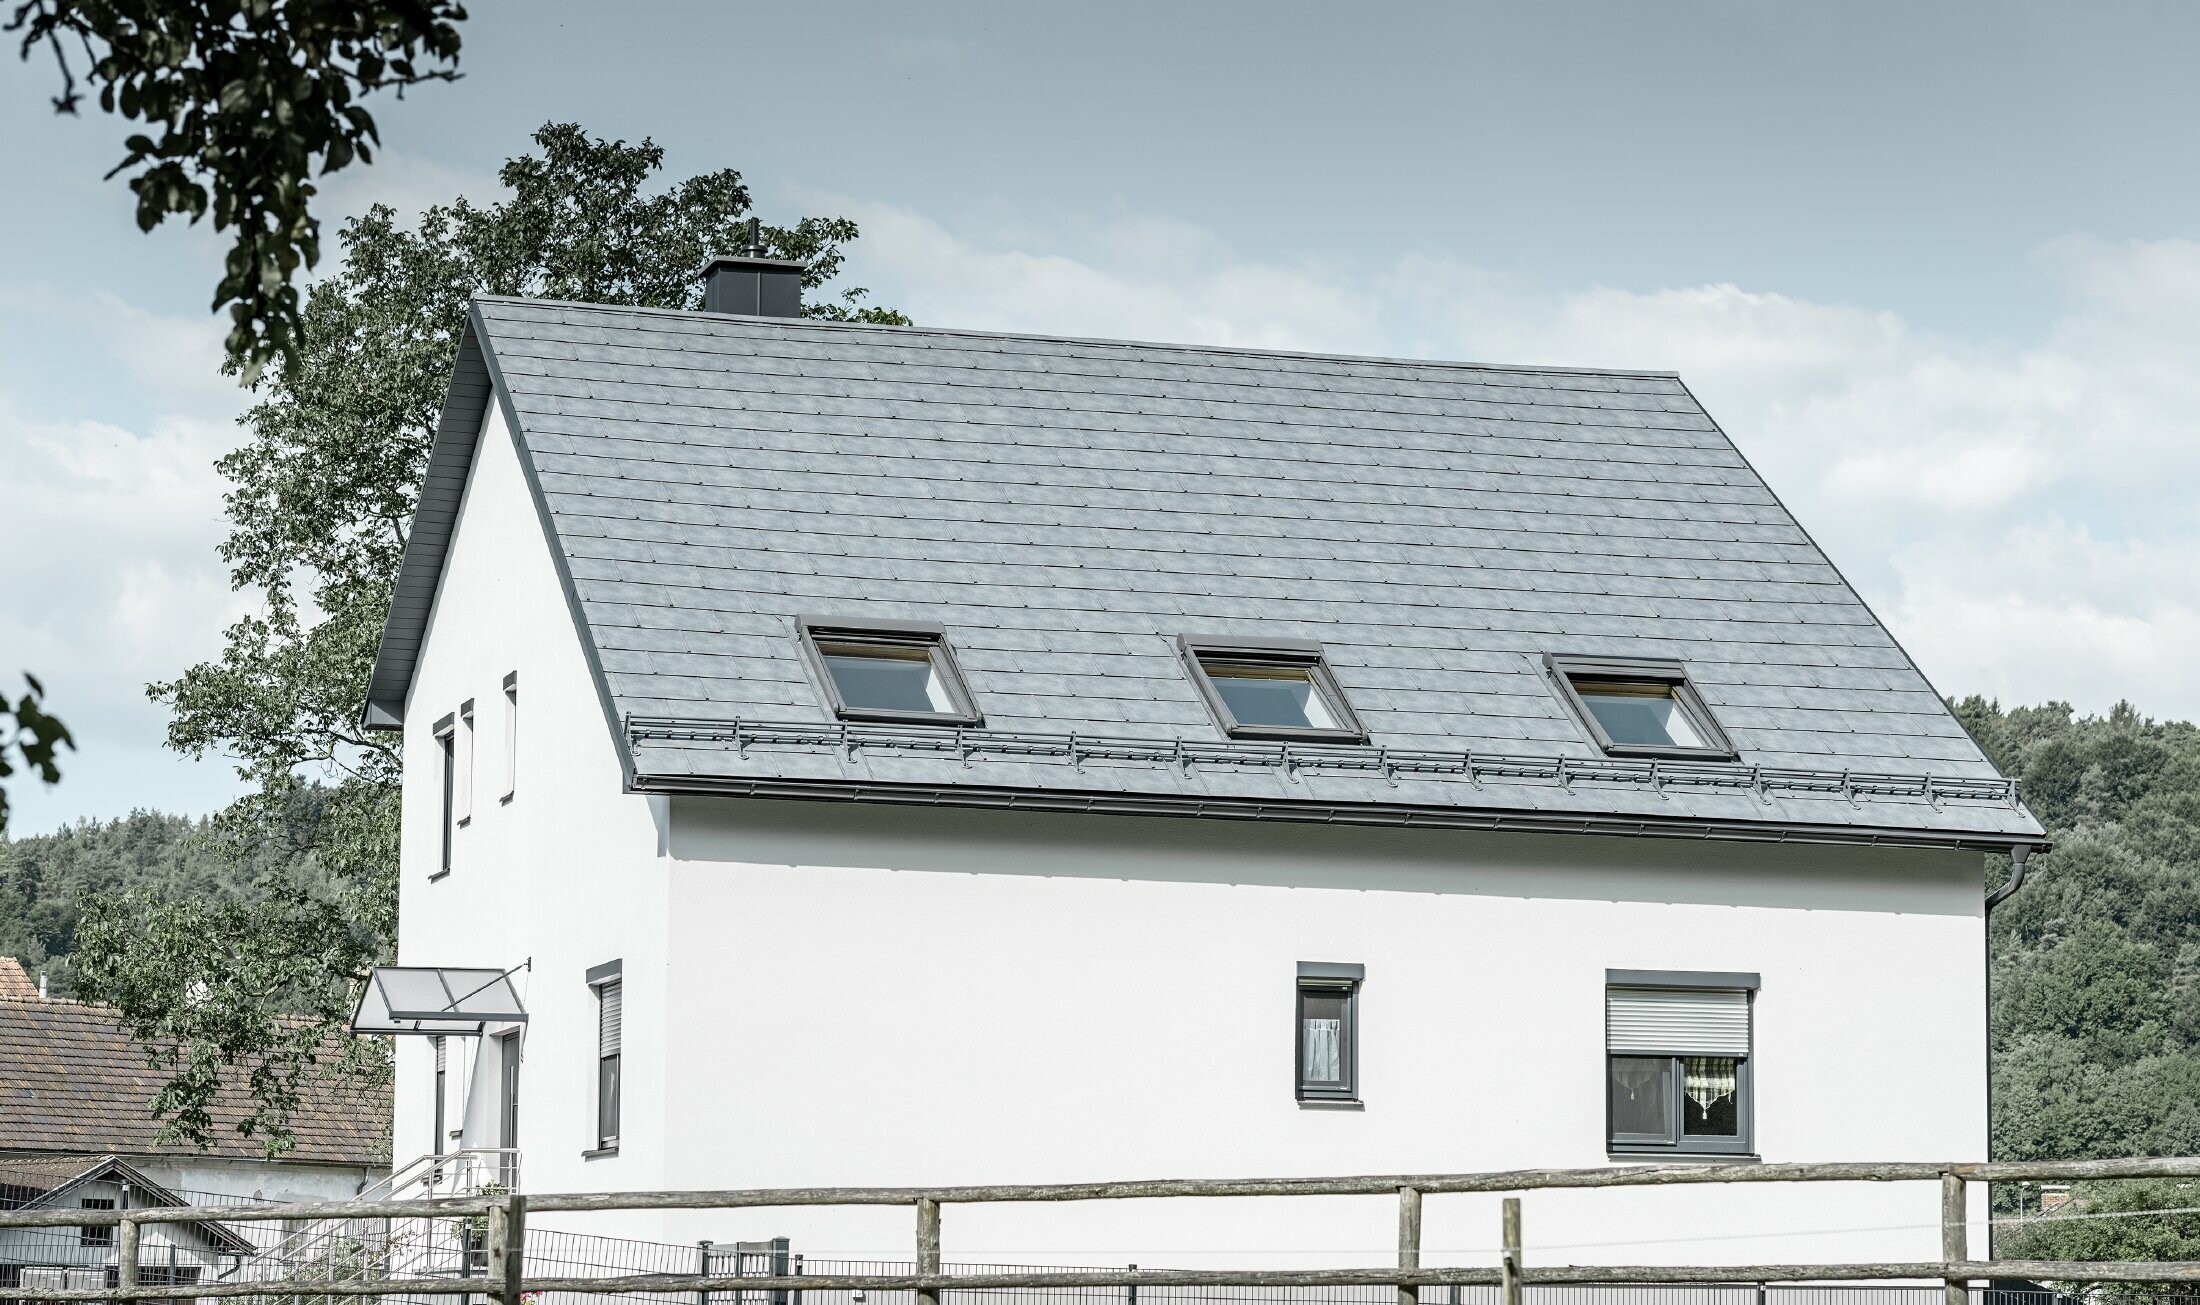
[
  {"x": 84, "y": 1258},
  {"x": 77, "y": 1101},
  {"x": 15, "y": 981},
  {"x": 841, "y": 754}
]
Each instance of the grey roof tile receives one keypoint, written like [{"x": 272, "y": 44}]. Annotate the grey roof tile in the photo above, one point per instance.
[{"x": 1066, "y": 508}]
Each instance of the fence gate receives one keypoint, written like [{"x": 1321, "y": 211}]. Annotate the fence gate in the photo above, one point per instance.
[{"x": 749, "y": 1260}]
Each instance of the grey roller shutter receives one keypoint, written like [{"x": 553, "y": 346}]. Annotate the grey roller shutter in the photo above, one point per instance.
[
  {"x": 608, "y": 1028},
  {"x": 1677, "y": 1021}
]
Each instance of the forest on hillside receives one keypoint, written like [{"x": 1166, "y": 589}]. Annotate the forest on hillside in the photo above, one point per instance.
[
  {"x": 2096, "y": 963},
  {"x": 48, "y": 880}
]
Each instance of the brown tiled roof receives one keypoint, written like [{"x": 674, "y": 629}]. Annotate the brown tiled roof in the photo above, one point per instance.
[
  {"x": 71, "y": 1080},
  {"x": 15, "y": 981}
]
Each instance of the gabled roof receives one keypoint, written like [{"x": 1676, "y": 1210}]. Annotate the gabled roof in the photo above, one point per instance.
[
  {"x": 15, "y": 981},
  {"x": 32, "y": 1182},
  {"x": 1067, "y": 508},
  {"x": 72, "y": 1082}
]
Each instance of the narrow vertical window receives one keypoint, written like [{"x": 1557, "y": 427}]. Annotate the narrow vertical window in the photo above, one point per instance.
[
  {"x": 446, "y": 746},
  {"x": 511, "y": 735},
  {"x": 1678, "y": 1049},
  {"x": 1327, "y": 1037},
  {"x": 610, "y": 1022},
  {"x": 441, "y": 1086},
  {"x": 465, "y": 795}
]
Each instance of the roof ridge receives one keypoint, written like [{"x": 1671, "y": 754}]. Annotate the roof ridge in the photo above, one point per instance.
[{"x": 1244, "y": 351}]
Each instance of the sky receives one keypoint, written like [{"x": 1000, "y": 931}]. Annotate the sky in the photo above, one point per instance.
[{"x": 1935, "y": 269}]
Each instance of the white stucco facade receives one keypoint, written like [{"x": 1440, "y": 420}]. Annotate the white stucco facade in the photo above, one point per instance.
[{"x": 837, "y": 994}]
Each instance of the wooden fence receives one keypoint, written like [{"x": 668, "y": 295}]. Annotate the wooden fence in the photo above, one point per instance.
[{"x": 506, "y": 1218}]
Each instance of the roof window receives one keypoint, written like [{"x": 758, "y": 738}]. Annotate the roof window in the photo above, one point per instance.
[
  {"x": 1639, "y": 707},
  {"x": 1271, "y": 690},
  {"x": 888, "y": 672}
]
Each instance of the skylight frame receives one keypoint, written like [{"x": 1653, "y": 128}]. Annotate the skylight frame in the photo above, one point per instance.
[
  {"x": 924, "y": 636},
  {"x": 1293, "y": 654},
  {"x": 1564, "y": 669}
]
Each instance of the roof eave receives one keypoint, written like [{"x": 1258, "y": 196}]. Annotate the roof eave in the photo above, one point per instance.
[
  {"x": 1486, "y": 819},
  {"x": 428, "y": 535}
]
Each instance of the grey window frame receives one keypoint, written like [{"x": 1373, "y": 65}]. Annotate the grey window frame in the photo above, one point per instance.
[
  {"x": 445, "y": 733},
  {"x": 1298, "y": 654},
  {"x": 1327, "y": 978},
  {"x": 1675, "y": 1142},
  {"x": 889, "y": 634},
  {"x": 1562, "y": 669},
  {"x": 601, "y": 977}
]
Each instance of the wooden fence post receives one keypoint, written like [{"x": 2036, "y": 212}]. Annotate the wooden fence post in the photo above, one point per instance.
[
  {"x": 1954, "y": 1235},
  {"x": 507, "y": 1248},
  {"x": 1409, "y": 1241},
  {"x": 1510, "y": 1269},
  {"x": 928, "y": 1246},
  {"x": 126, "y": 1253}
]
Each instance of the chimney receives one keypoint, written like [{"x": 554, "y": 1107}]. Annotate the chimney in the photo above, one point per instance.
[{"x": 750, "y": 283}]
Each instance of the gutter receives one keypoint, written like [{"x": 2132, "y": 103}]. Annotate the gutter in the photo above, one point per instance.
[{"x": 1496, "y": 820}]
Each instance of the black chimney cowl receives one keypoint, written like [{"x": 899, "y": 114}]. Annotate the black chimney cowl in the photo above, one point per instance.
[{"x": 759, "y": 287}]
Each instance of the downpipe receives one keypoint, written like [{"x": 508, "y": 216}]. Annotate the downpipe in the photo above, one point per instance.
[{"x": 2018, "y": 856}]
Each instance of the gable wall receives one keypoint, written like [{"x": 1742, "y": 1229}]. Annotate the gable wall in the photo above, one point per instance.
[{"x": 565, "y": 872}]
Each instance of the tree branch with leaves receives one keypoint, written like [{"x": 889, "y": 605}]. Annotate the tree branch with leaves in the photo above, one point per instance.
[
  {"x": 321, "y": 494},
  {"x": 245, "y": 102}
]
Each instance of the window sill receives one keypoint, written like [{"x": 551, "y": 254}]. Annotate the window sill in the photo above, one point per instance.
[
  {"x": 600, "y": 1153},
  {"x": 1693, "y": 1157},
  {"x": 1331, "y": 1103}
]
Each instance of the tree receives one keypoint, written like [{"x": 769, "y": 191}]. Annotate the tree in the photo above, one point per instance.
[
  {"x": 29, "y": 737},
  {"x": 2147, "y": 1220},
  {"x": 251, "y": 98},
  {"x": 321, "y": 496}
]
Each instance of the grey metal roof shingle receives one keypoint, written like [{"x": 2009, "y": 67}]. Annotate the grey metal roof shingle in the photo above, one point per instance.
[{"x": 1065, "y": 508}]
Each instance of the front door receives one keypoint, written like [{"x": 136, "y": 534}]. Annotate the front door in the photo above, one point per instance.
[{"x": 508, "y": 1106}]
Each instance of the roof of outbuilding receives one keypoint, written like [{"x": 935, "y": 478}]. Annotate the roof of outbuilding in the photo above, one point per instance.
[
  {"x": 73, "y": 1082},
  {"x": 1066, "y": 508}
]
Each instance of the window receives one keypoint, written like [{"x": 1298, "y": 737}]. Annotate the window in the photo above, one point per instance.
[
  {"x": 446, "y": 746},
  {"x": 511, "y": 736},
  {"x": 1327, "y": 1038},
  {"x": 610, "y": 1012},
  {"x": 441, "y": 1089},
  {"x": 889, "y": 673},
  {"x": 96, "y": 1236},
  {"x": 1639, "y": 708},
  {"x": 1678, "y": 1047},
  {"x": 464, "y": 807},
  {"x": 1271, "y": 690}
]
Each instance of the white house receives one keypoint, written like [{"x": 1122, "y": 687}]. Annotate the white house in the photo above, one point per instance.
[{"x": 861, "y": 755}]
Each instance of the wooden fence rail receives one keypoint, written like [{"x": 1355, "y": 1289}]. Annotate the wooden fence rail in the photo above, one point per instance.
[{"x": 505, "y": 1219}]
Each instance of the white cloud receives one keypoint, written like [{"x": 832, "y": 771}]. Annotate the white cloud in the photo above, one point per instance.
[
  {"x": 2024, "y": 517},
  {"x": 113, "y": 580}
]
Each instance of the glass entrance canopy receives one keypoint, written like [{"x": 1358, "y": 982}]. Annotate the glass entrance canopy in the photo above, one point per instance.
[{"x": 436, "y": 1000}]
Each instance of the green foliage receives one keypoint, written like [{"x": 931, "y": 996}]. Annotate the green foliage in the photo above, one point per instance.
[
  {"x": 251, "y": 97},
  {"x": 28, "y": 732},
  {"x": 321, "y": 495},
  {"x": 2166, "y": 1227},
  {"x": 48, "y": 881},
  {"x": 2096, "y": 968}
]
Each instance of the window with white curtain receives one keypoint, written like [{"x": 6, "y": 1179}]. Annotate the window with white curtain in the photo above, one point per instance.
[
  {"x": 1327, "y": 1051},
  {"x": 1678, "y": 1047}
]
